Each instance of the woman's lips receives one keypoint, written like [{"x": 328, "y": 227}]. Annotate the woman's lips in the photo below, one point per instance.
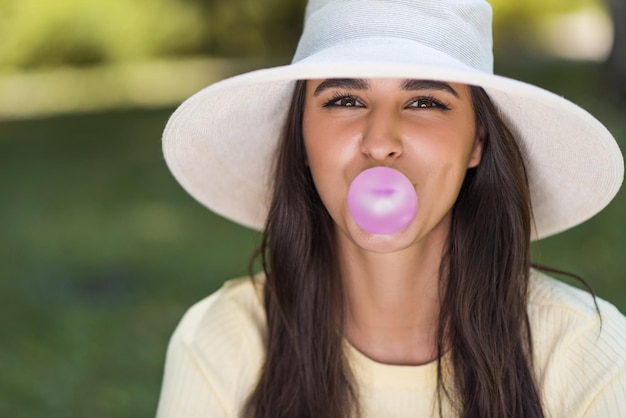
[{"x": 383, "y": 192}]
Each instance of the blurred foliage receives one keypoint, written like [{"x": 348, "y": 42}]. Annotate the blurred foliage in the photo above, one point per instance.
[
  {"x": 512, "y": 18},
  {"x": 35, "y": 33},
  {"x": 508, "y": 12},
  {"x": 251, "y": 27}
]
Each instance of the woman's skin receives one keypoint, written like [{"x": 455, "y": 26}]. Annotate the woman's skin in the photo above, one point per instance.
[{"x": 427, "y": 131}]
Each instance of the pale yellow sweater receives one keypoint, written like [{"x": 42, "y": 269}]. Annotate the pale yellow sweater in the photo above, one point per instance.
[{"x": 215, "y": 355}]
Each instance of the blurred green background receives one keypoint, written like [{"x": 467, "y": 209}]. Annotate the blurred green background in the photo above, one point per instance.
[{"x": 101, "y": 252}]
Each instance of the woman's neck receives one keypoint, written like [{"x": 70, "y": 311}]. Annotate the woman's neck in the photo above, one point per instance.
[{"x": 393, "y": 301}]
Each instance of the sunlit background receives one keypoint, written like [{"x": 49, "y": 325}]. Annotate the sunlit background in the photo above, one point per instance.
[{"x": 101, "y": 252}]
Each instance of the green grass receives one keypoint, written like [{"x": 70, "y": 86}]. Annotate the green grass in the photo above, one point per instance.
[{"x": 102, "y": 252}]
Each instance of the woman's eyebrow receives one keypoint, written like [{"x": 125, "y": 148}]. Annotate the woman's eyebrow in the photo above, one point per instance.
[
  {"x": 345, "y": 83},
  {"x": 428, "y": 85},
  {"x": 361, "y": 84}
]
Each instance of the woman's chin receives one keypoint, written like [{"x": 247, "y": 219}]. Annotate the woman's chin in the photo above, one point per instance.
[{"x": 380, "y": 242}]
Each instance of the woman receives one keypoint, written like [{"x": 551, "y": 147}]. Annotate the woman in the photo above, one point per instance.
[{"x": 434, "y": 310}]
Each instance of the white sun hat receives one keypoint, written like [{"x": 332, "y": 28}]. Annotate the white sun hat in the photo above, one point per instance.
[{"x": 220, "y": 144}]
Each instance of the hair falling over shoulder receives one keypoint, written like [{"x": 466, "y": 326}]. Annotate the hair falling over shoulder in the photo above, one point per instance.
[
  {"x": 484, "y": 280},
  {"x": 305, "y": 373},
  {"x": 484, "y": 286}
]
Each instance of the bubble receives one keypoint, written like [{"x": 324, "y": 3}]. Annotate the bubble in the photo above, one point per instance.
[{"x": 382, "y": 200}]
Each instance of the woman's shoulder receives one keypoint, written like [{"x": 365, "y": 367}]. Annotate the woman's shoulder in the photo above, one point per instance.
[
  {"x": 234, "y": 312},
  {"x": 579, "y": 350},
  {"x": 216, "y": 353},
  {"x": 554, "y": 299},
  {"x": 564, "y": 314}
]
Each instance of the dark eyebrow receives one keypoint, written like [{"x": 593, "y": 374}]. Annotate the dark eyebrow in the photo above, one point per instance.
[
  {"x": 428, "y": 85},
  {"x": 345, "y": 83},
  {"x": 361, "y": 84}
]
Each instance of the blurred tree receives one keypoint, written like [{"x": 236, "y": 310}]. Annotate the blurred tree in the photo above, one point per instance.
[
  {"x": 617, "y": 61},
  {"x": 251, "y": 27},
  {"x": 35, "y": 33},
  {"x": 514, "y": 19}
]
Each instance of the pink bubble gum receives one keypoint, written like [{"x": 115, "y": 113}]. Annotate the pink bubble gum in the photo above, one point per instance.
[{"x": 382, "y": 200}]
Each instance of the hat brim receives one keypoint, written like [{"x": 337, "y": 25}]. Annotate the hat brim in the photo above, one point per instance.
[{"x": 220, "y": 144}]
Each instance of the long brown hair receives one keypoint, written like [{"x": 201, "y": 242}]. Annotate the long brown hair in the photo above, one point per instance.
[
  {"x": 484, "y": 279},
  {"x": 484, "y": 284}
]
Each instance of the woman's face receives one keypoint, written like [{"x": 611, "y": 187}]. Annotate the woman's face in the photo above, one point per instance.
[{"x": 424, "y": 129}]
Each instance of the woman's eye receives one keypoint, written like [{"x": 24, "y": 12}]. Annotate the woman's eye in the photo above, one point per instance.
[
  {"x": 428, "y": 103},
  {"x": 344, "y": 102}
]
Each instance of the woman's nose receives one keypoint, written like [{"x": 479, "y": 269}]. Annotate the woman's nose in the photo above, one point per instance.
[{"x": 381, "y": 139}]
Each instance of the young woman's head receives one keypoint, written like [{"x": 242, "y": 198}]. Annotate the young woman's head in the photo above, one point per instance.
[{"x": 473, "y": 161}]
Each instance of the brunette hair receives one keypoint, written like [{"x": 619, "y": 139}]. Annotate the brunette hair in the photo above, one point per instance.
[{"x": 483, "y": 289}]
